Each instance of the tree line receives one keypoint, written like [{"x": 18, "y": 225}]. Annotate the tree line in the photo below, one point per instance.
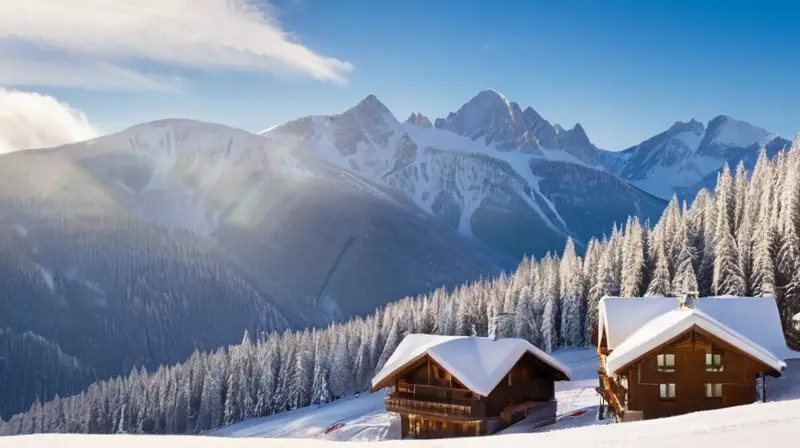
[{"x": 742, "y": 241}]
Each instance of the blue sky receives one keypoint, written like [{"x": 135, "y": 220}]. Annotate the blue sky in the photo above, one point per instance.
[{"x": 625, "y": 70}]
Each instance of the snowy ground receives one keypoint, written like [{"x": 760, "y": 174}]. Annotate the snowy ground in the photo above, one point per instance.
[
  {"x": 775, "y": 422},
  {"x": 365, "y": 418},
  {"x": 754, "y": 425}
]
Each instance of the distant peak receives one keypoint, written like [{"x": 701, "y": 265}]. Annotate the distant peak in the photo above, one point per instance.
[
  {"x": 491, "y": 94},
  {"x": 687, "y": 126},
  {"x": 419, "y": 120},
  {"x": 372, "y": 102},
  {"x": 371, "y": 99}
]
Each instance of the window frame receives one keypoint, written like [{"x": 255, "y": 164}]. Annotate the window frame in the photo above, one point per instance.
[
  {"x": 713, "y": 391},
  {"x": 662, "y": 365},
  {"x": 710, "y": 361},
  {"x": 664, "y": 390}
]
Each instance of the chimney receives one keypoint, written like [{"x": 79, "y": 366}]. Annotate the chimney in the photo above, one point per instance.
[{"x": 687, "y": 300}]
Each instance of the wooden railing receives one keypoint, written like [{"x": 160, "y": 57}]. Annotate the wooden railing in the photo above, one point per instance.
[
  {"x": 432, "y": 392},
  {"x": 396, "y": 404}
]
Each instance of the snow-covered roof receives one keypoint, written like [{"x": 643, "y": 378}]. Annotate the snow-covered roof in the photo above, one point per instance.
[
  {"x": 621, "y": 317},
  {"x": 756, "y": 318},
  {"x": 673, "y": 323},
  {"x": 478, "y": 363}
]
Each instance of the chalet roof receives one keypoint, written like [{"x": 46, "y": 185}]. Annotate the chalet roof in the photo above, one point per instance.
[
  {"x": 671, "y": 324},
  {"x": 478, "y": 363},
  {"x": 756, "y": 318}
]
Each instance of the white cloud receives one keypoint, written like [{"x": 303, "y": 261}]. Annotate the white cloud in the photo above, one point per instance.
[
  {"x": 117, "y": 35},
  {"x": 31, "y": 120}
]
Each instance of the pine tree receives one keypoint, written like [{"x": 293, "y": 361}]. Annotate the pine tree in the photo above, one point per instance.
[
  {"x": 341, "y": 375},
  {"x": 660, "y": 285},
  {"x": 728, "y": 278},
  {"x": 685, "y": 280},
  {"x": 598, "y": 257},
  {"x": 574, "y": 307},
  {"x": 632, "y": 278},
  {"x": 549, "y": 331},
  {"x": 764, "y": 242},
  {"x": 705, "y": 274},
  {"x": 524, "y": 319}
]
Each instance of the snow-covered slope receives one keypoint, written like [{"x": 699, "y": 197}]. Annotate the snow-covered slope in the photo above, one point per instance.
[
  {"x": 687, "y": 156},
  {"x": 490, "y": 170},
  {"x": 327, "y": 243},
  {"x": 774, "y": 423},
  {"x": 365, "y": 417}
]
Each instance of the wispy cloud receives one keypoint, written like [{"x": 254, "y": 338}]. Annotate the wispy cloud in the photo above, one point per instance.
[
  {"x": 31, "y": 120},
  {"x": 103, "y": 43}
]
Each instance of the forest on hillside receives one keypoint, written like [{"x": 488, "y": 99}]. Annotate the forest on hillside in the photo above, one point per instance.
[
  {"x": 742, "y": 241},
  {"x": 86, "y": 293}
]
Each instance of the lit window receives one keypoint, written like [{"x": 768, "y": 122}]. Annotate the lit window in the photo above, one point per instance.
[
  {"x": 666, "y": 391},
  {"x": 666, "y": 363},
  {"x": 714, "y": 362},
  {"x": 713, "y": 390}
]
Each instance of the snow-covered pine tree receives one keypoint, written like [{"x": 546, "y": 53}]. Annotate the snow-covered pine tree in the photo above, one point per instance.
[
  {"x": 632, "y": 278},
  {"x": 728, "y": 278},
  {"x": 524, "y": 319},
  {"x": 320, "y": 386},
  {"x": 685, "y": 281},
  {"x": 788, "y": 272},
  {"x": 300, "y": 383},
  {"x": 288, "y": 349},
  {"x": 341, "y": 374},
  {"x": 602, "y": 286},
  {"x": 549, "y": 330},
  {"x": 660, "y": 284},
  {"x": 392, "y": 341},
  {"x": 705, "y": 275},
  {"x": 764, "y": 243},
  {"x": 572, "y": 298},
  {"x": 552, "y": 294},
  {"x": 668, "y": 229},
  {"x": 269, "y": 361}
]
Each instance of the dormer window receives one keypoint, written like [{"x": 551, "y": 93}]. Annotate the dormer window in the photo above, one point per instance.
[
  {"x": 714, "y": 361},
  {"x": 666, "y": 362}
]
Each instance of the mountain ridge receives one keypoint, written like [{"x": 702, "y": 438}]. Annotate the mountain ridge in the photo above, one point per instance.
[{"x": 479, "y": 169}]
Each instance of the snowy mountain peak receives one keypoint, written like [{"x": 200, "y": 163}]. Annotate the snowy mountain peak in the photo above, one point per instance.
[
  {"x": 686, "y": 157},
  {"x": 726, "y": 130},
  {"x": 579, "y": 131},
  {"x": 371, "y": 103},
  {"x": 692, "y": 126},
  {"x": 491, "y": 117},
  {"x": 491, "y": 95},
  {"x": 418, "y": 119}
]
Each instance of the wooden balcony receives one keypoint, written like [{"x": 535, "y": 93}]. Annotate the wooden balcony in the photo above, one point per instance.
[{"x": 395, "y": 403}]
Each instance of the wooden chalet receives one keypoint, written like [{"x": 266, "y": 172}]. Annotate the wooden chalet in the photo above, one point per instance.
[
  {"x": 444, "y": 386},
  {"x": 667, "y": 356}
]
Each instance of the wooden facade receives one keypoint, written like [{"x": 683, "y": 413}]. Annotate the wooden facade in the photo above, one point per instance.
[
  {"x": 694, "y": 371},
  {"x": 432, "y": 403}
]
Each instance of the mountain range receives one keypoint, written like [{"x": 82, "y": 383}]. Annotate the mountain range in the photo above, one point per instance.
[{"x": 138, "y": 247}]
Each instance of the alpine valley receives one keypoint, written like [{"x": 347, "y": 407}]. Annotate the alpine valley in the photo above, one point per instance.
[{"x": 139, "y": 247}]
